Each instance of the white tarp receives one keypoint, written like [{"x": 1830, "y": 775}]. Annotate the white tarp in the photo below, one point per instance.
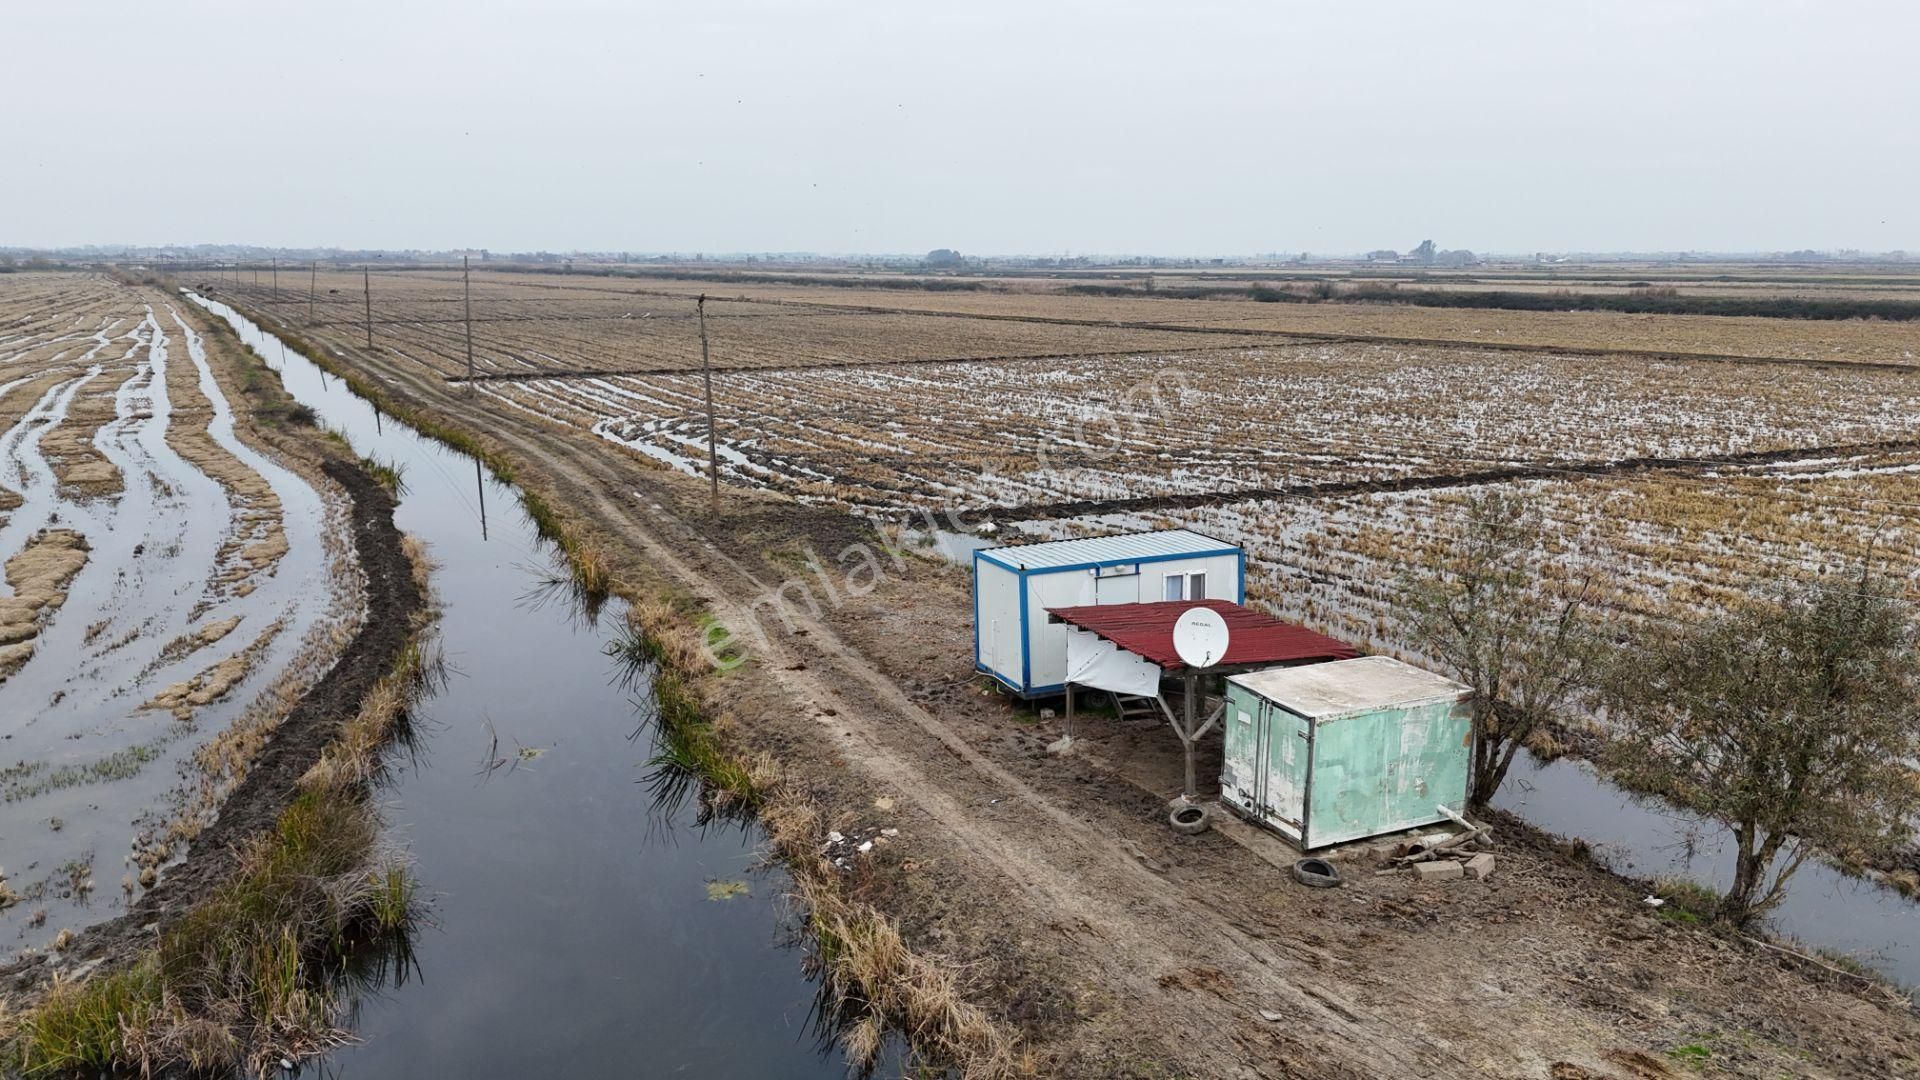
[{"x": 1096, "y": 662}]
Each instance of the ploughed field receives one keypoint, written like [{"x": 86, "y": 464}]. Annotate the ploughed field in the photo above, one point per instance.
[
  {"x": 169, "y": 591},
  {"x": 526, "y": 323},
  {"x": 1682, "y": 480}
]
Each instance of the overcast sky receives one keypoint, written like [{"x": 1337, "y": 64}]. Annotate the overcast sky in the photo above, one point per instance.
[{"x": 1033, "y": 127}]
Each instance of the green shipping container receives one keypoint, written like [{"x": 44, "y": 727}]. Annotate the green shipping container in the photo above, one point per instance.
[{"x": 1328, "y": 753}]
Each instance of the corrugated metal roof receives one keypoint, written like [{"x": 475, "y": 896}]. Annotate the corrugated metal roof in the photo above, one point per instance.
[
  {"x": 1106, "y": 549},
  {"x": 1351, "y": 686},
  {"x": 1146, "y": 630}
]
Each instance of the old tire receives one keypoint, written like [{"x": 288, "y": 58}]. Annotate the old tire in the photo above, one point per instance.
[
  {"x": 1316, "y": 873},
  {"x": 1189, "y": 818}
]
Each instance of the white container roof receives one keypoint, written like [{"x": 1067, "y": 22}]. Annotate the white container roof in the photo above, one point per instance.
[
  {"x": 1346, "y": 687},
  {"x": 1107, "y": 550}
]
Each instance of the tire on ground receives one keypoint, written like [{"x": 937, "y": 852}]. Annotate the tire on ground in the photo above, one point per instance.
[
  {"x": 1190, "y": 818},
  {"x": 1316, "y": 873}
]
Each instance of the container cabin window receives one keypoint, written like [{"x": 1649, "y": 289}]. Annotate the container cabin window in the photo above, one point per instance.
[{"x": 1186, "y": 586}]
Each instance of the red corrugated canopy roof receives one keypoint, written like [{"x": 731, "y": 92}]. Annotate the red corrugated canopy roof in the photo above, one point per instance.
[{"x": 1253, "y": 638}]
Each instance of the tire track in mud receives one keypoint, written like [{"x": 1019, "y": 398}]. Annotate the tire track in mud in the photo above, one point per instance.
[
  {"x": 992, "y": 818},
  {"x": 1505, "y": 474}
]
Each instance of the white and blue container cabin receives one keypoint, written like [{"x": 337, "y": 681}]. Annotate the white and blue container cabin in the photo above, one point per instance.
[{"x": 1014, "y": 586}]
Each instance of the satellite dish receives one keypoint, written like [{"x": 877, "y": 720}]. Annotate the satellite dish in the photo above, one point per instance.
[{"x": 1200, "y": 637}]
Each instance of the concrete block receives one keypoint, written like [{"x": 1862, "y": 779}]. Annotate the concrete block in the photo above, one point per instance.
[
  {"x": 1437, "y": 870},
  {"x": 1480, "y": 867}
]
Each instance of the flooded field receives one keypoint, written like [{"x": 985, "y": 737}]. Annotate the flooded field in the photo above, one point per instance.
[
  {"x": 1824, "y": 908},
  {"x": 170, "y": 590},
  {"x": 583, "y": 920}
]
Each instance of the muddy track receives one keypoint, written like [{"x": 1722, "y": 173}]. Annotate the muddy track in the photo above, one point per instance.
[
  {"x": 1522, "y": 471},
  {"x": 1062, "y": 859},
  {"x": 271, "y": 784}
]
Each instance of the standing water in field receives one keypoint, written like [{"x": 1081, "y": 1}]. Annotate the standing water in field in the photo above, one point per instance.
[
  {"x": 1824, "y": 908},
  {"x": 208, "y": 589},
  {"x": 577, "y": 926}
]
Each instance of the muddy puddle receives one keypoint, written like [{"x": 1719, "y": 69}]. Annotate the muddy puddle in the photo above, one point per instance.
[
  {"x": 1823, "y": 909},
  {"x": 95, "y": 758},
  {"x": 579, "y": 924}
]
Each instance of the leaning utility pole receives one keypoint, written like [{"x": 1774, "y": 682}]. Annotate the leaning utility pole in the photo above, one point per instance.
[
  {"x": 713, "y": 432},
  {"x": 466, "y": 278},
  {"x": 366, "y": 284}
]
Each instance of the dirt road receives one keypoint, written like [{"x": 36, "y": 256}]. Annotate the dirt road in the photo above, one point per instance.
[{"x": 1113, "y": 945}]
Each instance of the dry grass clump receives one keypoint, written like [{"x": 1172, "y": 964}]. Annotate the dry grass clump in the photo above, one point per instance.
[
  {"x": 212, "y": 684},
  {"x": 246, "y": 978},
  {"x": 241, "y": 981},
  {"x": 661, "y": 630},
  {"x": 879, "y": 982},
  {"x": 591, "y": 575},
  {"x": 39, "y": 574},
  {"x": 82, "y": 470}
]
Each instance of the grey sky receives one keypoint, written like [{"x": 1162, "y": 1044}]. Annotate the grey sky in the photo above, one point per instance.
[{"x": 990, "y": 127}]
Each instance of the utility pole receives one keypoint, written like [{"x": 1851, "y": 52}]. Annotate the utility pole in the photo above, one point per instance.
[
  {"x": 466, "y": 278},
  {"x": 276, "y": 280},
  {"x": 713, "y": 431},
  {"x": 313, "y": 271},
  {"x": 366, "y": 284}
]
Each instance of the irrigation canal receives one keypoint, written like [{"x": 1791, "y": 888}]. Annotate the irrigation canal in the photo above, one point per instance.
[
  {"x": 1824, "y": 908},
  {"x": 579, "y": 926}
]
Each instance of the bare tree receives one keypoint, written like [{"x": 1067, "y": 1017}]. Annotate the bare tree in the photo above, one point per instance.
[
  {"x": 1491, "y": 615},
  {"x": 1795, "y": 721}
]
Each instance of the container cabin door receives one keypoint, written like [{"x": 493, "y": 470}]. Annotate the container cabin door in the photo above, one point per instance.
[
  {"x": 1285, "y": 753},
  {"x": 1426, "y": 764},
  {"x": 1244, "y": 750}
]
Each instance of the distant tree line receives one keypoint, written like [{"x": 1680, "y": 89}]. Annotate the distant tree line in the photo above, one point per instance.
[
  {"x": 1647, "y": 301},
  {"x": 748, "y": 277},
  {"x": 1636, "y": 301}
]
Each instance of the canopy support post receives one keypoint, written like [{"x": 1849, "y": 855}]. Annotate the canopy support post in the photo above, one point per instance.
[{"x": 1187, "y": 733}]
